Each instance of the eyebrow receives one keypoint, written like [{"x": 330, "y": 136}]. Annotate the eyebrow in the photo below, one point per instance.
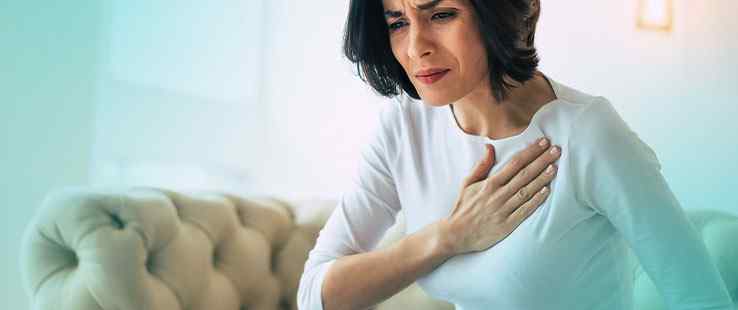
[{"x": 423, "y": 7}]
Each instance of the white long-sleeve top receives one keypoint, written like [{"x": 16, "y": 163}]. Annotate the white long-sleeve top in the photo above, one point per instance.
[{"x": 608, "y": 201}]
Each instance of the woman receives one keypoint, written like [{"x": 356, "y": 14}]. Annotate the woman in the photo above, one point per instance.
[{"x": 464, "y": 76}]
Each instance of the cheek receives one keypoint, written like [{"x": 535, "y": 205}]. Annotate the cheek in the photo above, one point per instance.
[
  {"x": 475, "y": 57},
  {"x": 480, "y": 59},
  {"x": 398, "y": 49},
  {"x": 466, "y": 44}
]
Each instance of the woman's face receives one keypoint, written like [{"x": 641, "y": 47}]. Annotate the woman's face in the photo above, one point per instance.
[{"x": 438, "y": 44}]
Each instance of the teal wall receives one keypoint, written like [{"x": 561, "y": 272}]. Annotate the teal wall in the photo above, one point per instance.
[{"x": 47, "y": 77}]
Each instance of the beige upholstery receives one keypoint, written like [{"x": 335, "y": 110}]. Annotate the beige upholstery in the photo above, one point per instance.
[{"x": 146, "y": 248}]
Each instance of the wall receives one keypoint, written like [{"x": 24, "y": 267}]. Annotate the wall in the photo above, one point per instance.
[
  {"x": 48, "y": 60},
  {"x": 319, "y": 112},
  {"x": 179, "y": 95},
  {"x": 676, "y": 90}
]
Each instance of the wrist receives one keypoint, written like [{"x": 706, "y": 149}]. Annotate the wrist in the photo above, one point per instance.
[
  {"x": 444, "y": 244},
  {"x": 430, "y": 246}
]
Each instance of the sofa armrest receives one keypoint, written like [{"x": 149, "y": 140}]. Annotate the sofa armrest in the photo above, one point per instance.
[
  {"x": 719, "y": 231},
  {"x": 147, "y": 248}
]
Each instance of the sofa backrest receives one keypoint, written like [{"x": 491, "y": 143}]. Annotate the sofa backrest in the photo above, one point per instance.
[{"x": 152, "y": 248}]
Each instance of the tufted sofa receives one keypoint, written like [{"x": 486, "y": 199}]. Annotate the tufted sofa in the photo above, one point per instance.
[{"x": 148, "y": 248}]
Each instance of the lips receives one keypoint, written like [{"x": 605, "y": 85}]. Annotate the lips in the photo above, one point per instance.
[
  {"x": 431, "y": 76},
  {"x": 429, "y": 72}
]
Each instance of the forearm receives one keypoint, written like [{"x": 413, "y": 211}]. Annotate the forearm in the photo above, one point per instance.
[{"x": 363, "y": 280}]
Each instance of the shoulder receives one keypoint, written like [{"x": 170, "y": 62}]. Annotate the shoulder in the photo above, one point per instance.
[
  {"x": 393, "y": 115},
  {"x": 599, "y": 135},
  {"x": 591, "y": 118},
  {"x": 405, "y": 110},
  {"x": 598, "y": 123},
  {"x": 402, "y": 114},
  {"x": 389, "y": 131},
  {"x": 395, "y": 110},
  {"x": 598, "y": 116}
]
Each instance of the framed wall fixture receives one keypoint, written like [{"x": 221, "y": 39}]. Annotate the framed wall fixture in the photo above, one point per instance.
[{"x": 655, "y": 15}]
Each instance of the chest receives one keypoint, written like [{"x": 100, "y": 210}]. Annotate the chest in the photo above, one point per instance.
[{"x": 544, "y": 250}]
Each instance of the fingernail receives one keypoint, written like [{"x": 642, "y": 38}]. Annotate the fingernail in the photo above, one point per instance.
[
  {"x": 554, "y": 150},
  {"x": 543, "y": 142},
  {"x": 550, "y": 169}
]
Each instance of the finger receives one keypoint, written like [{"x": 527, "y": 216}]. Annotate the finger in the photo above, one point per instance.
[
  {"x": 517, "y": 186},
  {"x": 482, "y": 168},
  {"x": 525, "y": 210},
  {"x": 526, "y": 192},
  {"x": 519, "y": 161}
]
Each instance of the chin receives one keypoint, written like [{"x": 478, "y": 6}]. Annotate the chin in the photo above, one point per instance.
[{"x": 436, "y": 99}]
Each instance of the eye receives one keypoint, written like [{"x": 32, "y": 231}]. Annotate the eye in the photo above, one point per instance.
[
  {"x": 396, "y": 25},
  {"x": 443, "y": 15}
]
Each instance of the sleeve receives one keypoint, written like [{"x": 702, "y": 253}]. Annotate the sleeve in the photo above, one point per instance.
[
  {"x": 619, "y": 176},
  {"x": 363, "y": 213}
]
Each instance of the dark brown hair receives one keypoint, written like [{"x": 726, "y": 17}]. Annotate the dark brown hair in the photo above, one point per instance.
[{"x": 507, "y": 28}]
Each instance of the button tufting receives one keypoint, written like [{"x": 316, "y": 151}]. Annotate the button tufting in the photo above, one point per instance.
[
  {"x": 150, "y": 263},
  {"x": 116, "y": 221},
  {"x": 284, "y": 304},
  {"x": 216, "y": 257},
  {"x": 75, "y": 258}
]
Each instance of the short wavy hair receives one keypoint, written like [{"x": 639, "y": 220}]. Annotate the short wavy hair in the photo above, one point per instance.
[{"x": 507, "y": 27}]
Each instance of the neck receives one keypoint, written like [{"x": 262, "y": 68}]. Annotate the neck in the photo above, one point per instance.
[{"x": 480, "y": 114}]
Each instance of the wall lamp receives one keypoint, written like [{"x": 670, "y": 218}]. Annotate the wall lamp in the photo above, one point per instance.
[{"x": 655, "y": 15}]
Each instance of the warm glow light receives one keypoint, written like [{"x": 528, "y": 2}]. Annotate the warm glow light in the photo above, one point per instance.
[{"x": 655, "y": 14}]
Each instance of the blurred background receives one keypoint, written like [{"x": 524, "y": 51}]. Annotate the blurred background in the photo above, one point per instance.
[{"x": 254, "y": 96}]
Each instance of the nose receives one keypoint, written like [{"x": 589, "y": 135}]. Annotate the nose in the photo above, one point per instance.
[{"x": 419, "y": 43}]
